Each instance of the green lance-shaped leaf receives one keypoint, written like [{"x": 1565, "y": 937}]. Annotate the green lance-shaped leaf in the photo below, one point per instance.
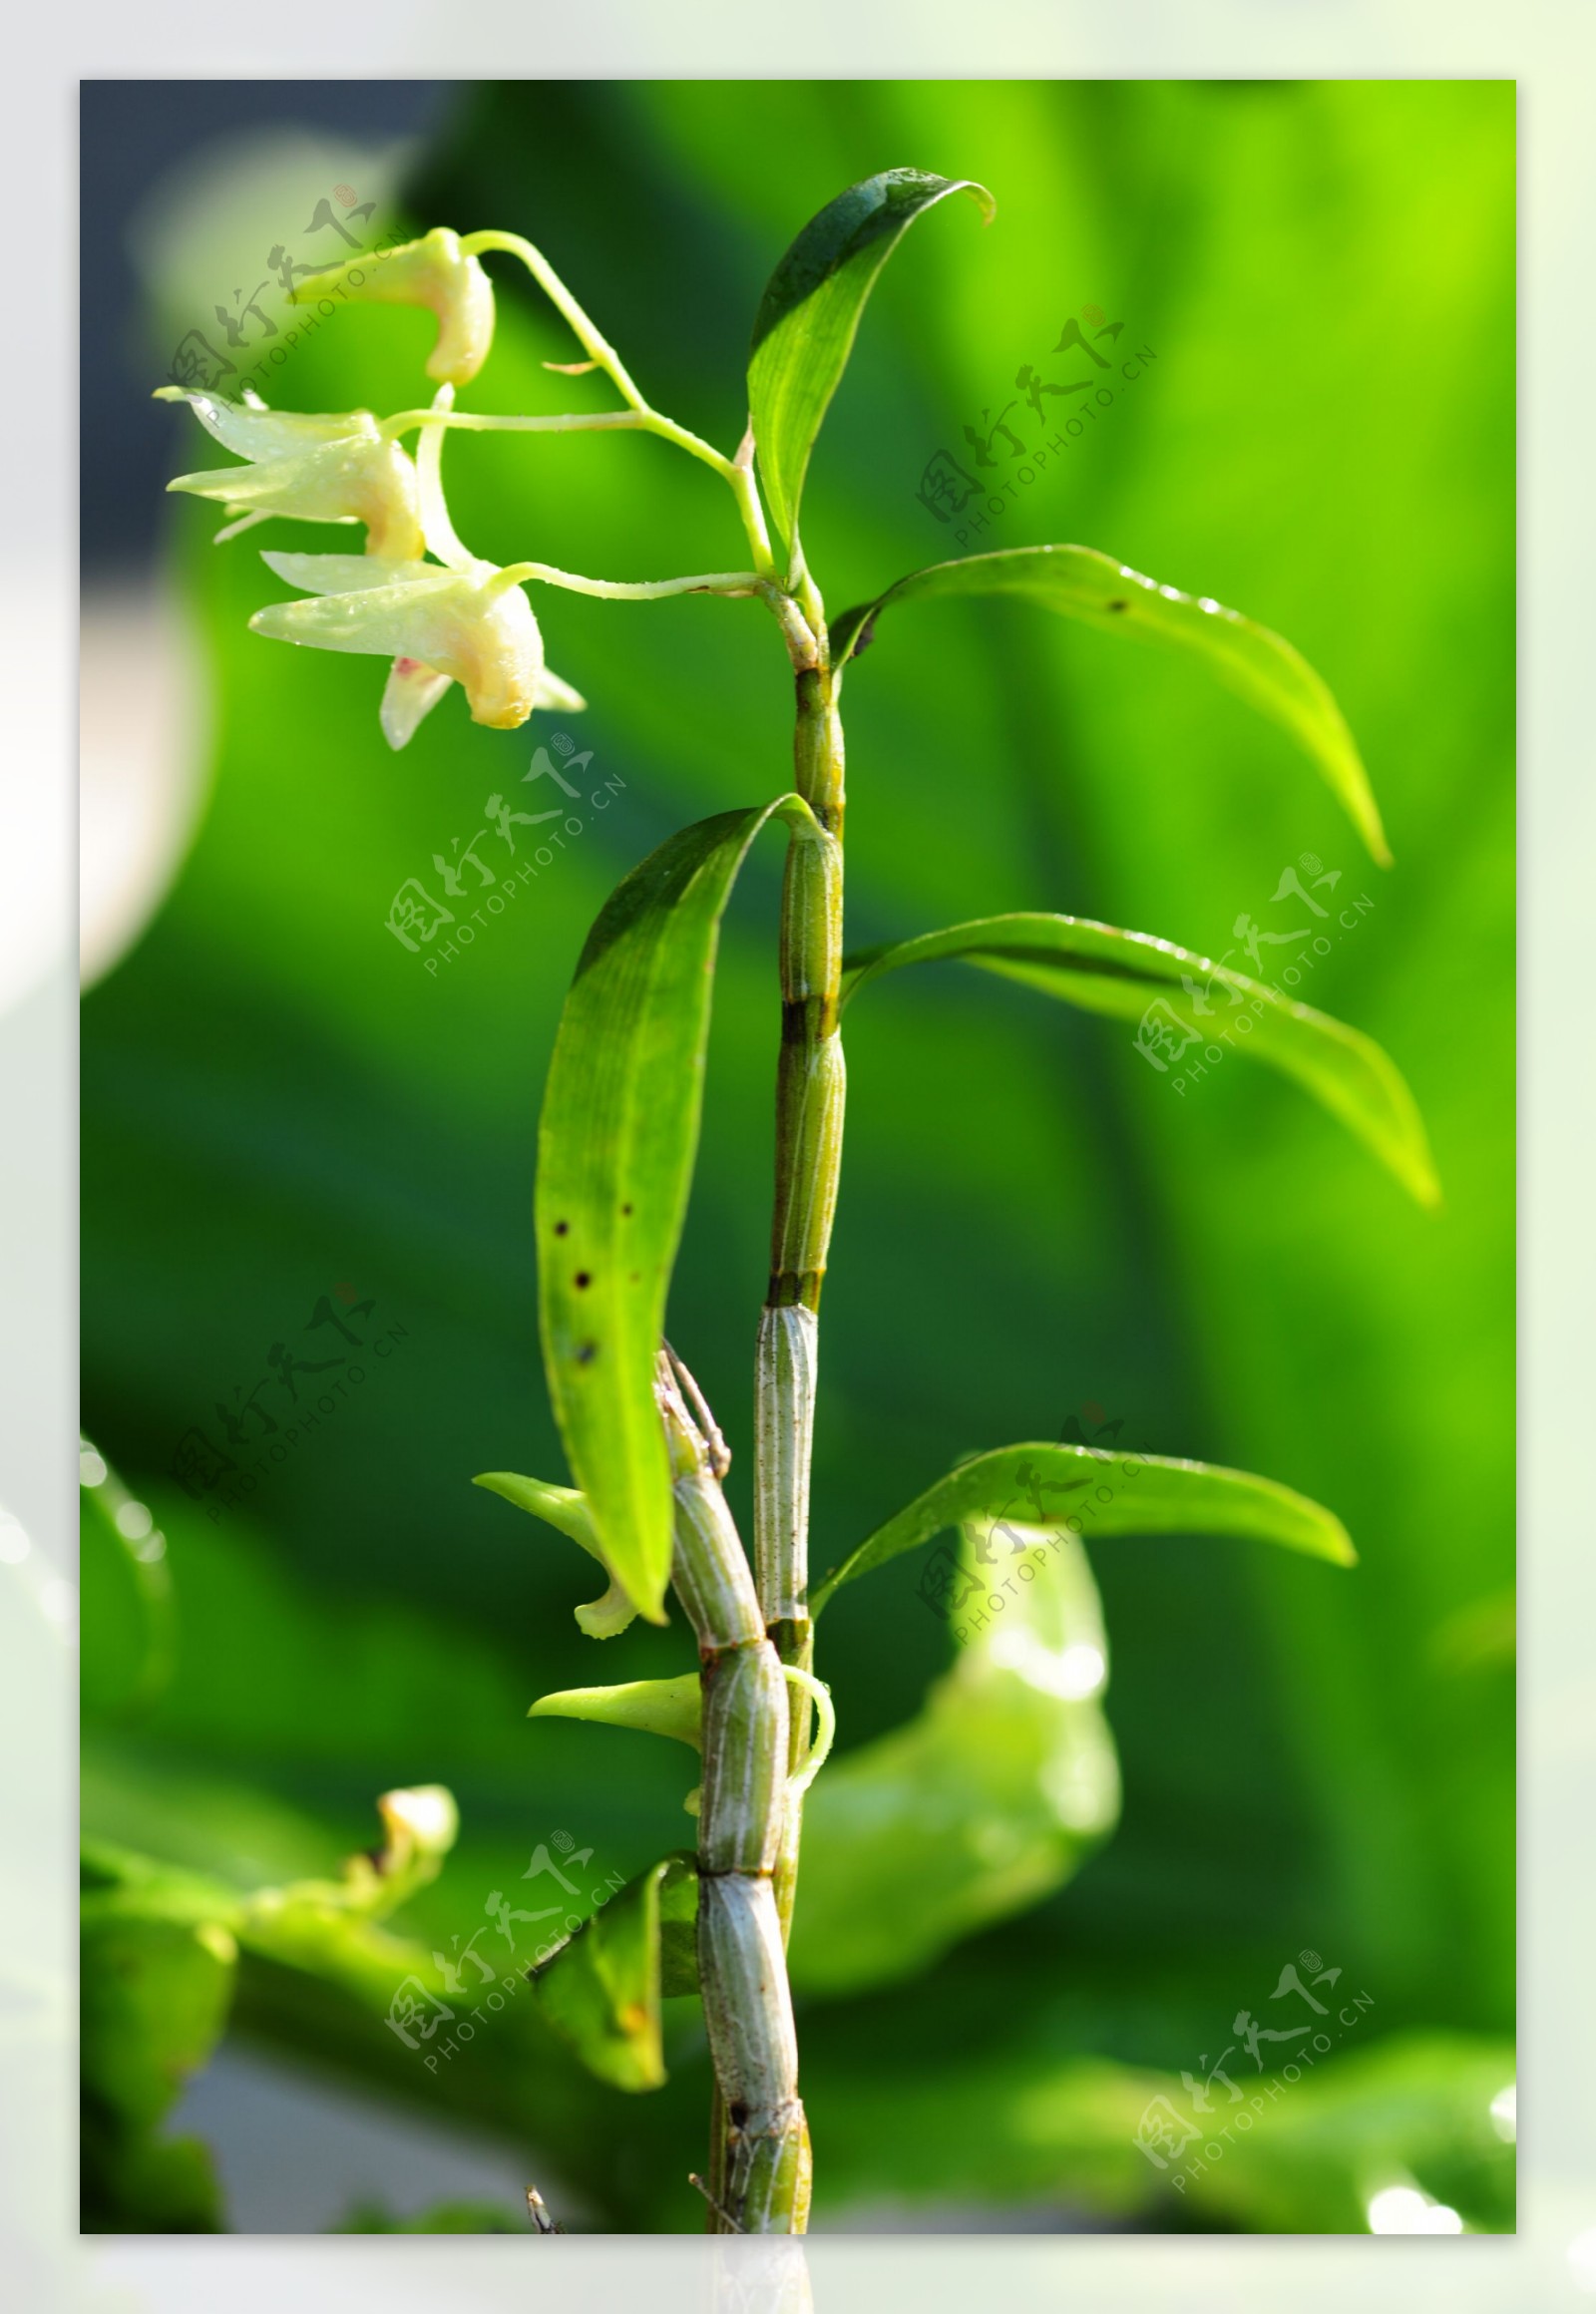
[
  {"x": 563, "y": 1508},
  {"x": 1080, "y": 582},
  {"x": 809, "y": 317},
  {"x": 614, "y": 1164},
  {"x": 602, "y": 1987},
  {"x": 991, "y": 1797},
  {"x": 1132, "y": 977},
  {"x": 657, "y": 1706},
  {"x": 1092, "y": 1492}
]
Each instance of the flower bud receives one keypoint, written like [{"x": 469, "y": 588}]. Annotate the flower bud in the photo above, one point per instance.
[{"x": 430, "y": 272}]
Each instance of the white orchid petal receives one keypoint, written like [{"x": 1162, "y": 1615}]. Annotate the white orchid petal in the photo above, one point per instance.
[
  {"x": 319, "y": 470},
  {"x": 253, "y": 430},
  {"x": 411, "y": 691},
  {"x": 351, "y": 573},
  {"x": 436, "y": 527},
  {"x": 552, "y": 692},
  {"x": 243, "y": 523},
  {"x": 467, "y": 626},
  {"x": 382, "y": 620}
]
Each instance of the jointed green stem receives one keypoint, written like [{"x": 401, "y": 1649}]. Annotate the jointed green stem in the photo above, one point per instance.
[
  {"x": 760, "y": 2166},
  {"x": 810, "y": 1094},
  {"x": 758, "y": 1758}
]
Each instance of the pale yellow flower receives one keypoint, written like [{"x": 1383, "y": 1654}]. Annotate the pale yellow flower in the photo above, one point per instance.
[
  {"x": 471, "y": 626},
  {"x": 338, "y": 469}
]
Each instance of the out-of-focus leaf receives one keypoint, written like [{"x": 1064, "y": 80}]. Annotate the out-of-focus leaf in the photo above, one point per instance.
[
  {"x": 1131, "y": 977},
  {"x": 1031, "y": 2128},
  {"x": 563, "y": 1507},
  {"x": 443, "y": 2218},
  {"x": 615, "y": 1155},
  {"x": 1080, "y": 582},
  {"x": 602, "y": 1987},
  {"x": 1480, "y": 1636},
  {"x": 1096, "y": 1493},
  {"x": 658, "y": 1706},
  {"x": 159, "y": 1965},
  {"x": 809, "y": 317},
  {"x": 986, "y": 1802},
  {"x": 325, "y": 1928},
  {"x": 128, "y": 1635},
  {"x": 158, "y": 1971}
]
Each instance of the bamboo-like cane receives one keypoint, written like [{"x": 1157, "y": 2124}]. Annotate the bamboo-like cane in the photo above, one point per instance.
[
  {"x": 760, "y": 2174},
  {"x": 810, "y": 1095}
]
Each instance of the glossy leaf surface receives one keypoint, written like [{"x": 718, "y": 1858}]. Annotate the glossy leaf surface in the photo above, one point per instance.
[
  {"x": 615, "y": 1154},
  {"x": 1134, "y": 977},
  {"x": 1080, "y": 582},
  {"x": 1101, "y": 1494},
  {"x": 809, "y": 317}
]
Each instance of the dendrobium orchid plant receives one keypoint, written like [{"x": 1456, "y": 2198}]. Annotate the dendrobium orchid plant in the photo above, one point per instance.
[{"x": 621, "y": 1122}]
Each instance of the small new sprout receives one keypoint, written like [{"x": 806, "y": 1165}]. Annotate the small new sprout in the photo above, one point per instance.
[
  {"x": 424, "y": 1818},
  {"x": 338, "y": 469},
  {"x": 431, "y": 273},
  {"x": 469, "y": 626}
]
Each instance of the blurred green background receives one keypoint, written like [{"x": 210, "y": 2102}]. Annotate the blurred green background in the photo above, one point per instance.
[{"x": 278, "y": 1100}]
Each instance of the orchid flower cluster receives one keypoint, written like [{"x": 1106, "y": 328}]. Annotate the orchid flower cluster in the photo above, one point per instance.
[{"x": 417, "y": 596}]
